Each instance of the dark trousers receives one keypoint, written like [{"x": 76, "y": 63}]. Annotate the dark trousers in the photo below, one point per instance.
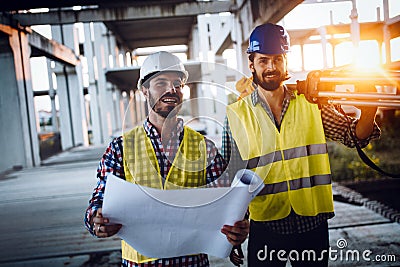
[{"x": 267, "y": 248}]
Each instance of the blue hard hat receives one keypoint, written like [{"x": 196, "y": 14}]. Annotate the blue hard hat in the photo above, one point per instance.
[{"x": 269, "y": 39}]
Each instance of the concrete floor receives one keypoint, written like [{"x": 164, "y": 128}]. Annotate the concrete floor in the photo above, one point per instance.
[{"x": 42, "y": 221}]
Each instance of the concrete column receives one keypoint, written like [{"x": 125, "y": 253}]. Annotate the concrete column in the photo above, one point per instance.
[
  {"x": 125, "y": 111},
  {"x": 111, "y": 99},
  {"x": 66, "y": 128},
  {"x": 194, "y": 47},
  {"x": 115, "y": 52},
  {"x": 142, "y": 105},
  {"x": 194, "y": 53},
  {"x": 117, "y": 111},
  {"x": 333, "y": 54},
  {"x": 386, "y": 32},
  {"x": 136, "y": 106},
  {"x": 205, "y": 89},
  {"x": 132, "y": 116},
  {"x": 220, "y": 98},
  {"x": 240, "y": 47},
  {"x": 212, "y": 98},
  {"x": 129, "y": 60},
  {"x": 73, "y": 125},
  {"x": 204, "y": 37},
  {"x": 101, "y": 52},
  {"x": 303, "y": 68},
  {"x": 88, "y": 46},
  {"x": 355, "y": 30},
  {"x": 322, "y": 33},
  {"x": 194, "y": 105},
  {"x": 19, "y": 135},
  {"x": 52, "y": 95}
]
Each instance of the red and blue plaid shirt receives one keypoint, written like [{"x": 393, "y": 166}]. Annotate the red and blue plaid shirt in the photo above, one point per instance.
[{"x": 112, "y": 162}]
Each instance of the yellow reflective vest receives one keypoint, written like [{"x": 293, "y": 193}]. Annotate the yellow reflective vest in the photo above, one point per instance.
[
  {"x": 141, "y": 167},
  {"x": 293, "y": 162}
]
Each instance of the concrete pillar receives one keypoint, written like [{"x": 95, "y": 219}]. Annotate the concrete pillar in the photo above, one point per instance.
[
  {"x": 19, "y": 135},
  {"x": 120, "y": 54},
  {"x": 240, "y": 47},
  {"x": 386, "y": 33},
  {"x": 322, "y": 33},
  {"x": 136, "y": 106},
  {"x": 129, "y": 59},
  {"x": 73, "y": 125},
  {"x": 126, "y": 121},
  {"x": 101, "y": 52},
  {"x": 211, "y": 96},
  {"x": 194, "y": 105},
  {"x": 303, "y": 68},
  {"x": 194, "y": 53},
  {"x": 118, "y": 63},
  {"x": 52, "y": 95},
  {"x": 204, "y": 38},
  {"x": 355, "y": 30},
  {"x": 133, "y": 115},
  {"x": 194, "y": 47},
  {"x": 205, "y": 88},
  {"x": 113, "y": 51},
  {"x": 333, "y": 54},
  {"x": 144, "y": 109},
  {"x": 220, "y": 98},
  {"x": 65, "y": 122},
  {"x": 88, "y": 46},
  {"x": 117, "y": 111}
]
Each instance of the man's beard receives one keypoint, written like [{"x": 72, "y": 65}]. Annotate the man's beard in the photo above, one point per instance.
[
  {"x": 170, "y": 111},
  {"x": 269, "y": 84}
]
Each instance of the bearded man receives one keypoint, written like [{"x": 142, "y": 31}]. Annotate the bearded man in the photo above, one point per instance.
[
  {"x": 282, "y": 137},
  {"x": 162, "y": 153}
]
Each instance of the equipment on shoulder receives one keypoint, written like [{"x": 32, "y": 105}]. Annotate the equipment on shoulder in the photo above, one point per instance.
[{"x": 349, "y": 87}]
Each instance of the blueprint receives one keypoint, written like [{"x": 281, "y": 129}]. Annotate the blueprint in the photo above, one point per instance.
[{"x": 170, "y": 223}]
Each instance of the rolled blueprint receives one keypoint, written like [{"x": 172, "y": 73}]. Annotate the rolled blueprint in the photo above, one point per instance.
[{"x": 170, "y": 223}]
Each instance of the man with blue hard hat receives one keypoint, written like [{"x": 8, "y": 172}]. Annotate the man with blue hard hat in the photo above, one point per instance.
[{"x": 281, "y": 136}]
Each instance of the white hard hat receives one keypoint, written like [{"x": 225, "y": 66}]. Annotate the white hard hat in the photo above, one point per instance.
[{"x": 161, "y": 61}]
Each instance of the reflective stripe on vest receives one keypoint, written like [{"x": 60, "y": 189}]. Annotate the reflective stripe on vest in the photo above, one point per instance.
[
  {"x": 141, "y": 166},
  {"x": 300, "y": 183},
  {"x": 288, "y": 154},
  {"x": 293, "y": 162}
]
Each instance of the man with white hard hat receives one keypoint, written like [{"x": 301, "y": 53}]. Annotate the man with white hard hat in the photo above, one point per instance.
[{"x": 158, "y": 145}]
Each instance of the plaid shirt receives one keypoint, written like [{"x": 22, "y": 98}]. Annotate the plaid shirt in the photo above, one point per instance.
[
  {"x": 336, "y": 128},
  {"x": 112, "y": 162}
]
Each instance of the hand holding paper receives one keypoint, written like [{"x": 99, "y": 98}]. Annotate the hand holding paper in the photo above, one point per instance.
[{"x": 170, "y": 223}]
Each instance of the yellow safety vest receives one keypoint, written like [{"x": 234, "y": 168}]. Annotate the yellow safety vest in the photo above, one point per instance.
[
  {"x": 141, "y": 167},
  {"x": 293, "y": 162}
]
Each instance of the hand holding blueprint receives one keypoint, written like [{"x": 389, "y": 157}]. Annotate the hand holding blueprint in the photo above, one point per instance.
[{"x": 169, "y": 223}]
